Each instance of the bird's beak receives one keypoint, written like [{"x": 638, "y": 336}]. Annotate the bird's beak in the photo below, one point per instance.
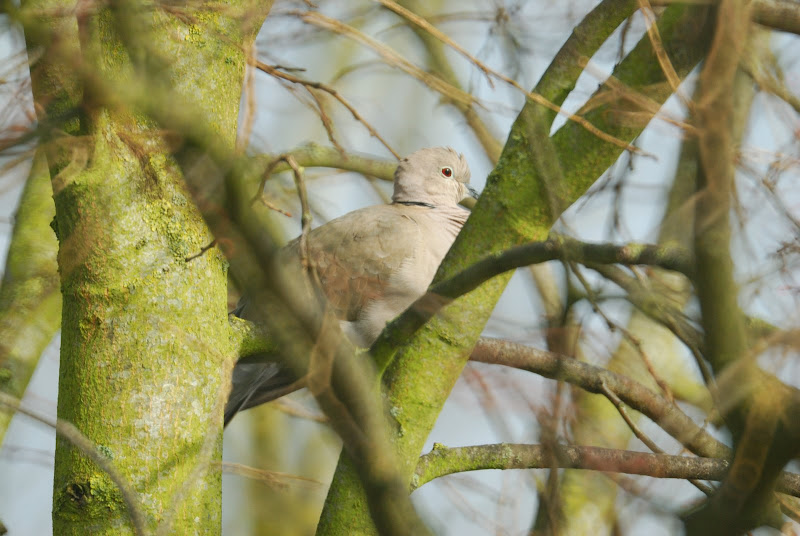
[{"x": 473, "y": 193}]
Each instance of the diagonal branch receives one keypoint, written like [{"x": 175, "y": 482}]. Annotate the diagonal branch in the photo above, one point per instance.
[
  {"x": 532, "y": 95},
  {"x": 598, "y": 380},
  {"x": 273, "y": 71},
  {"x": 69, "y": 432}
]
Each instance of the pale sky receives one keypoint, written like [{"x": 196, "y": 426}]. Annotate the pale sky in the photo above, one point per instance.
[{"x": 26, "y": 457}]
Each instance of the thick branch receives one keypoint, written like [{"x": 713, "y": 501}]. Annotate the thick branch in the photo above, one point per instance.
[
  {"x": 598, "y": 380},
  {"x": 782, "y": 15},
  {"x": 594, "y": 380},
  {"x": 562, "y": 248},
  {"x": 30, "y": 300},
  {"x": 443, "y": 461}
]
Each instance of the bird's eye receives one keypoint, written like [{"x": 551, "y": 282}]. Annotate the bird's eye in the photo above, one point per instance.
[{"x": 447, "y": 172}]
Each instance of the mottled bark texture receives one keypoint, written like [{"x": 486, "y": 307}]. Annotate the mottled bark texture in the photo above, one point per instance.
[{"x": 146, "y": 348}]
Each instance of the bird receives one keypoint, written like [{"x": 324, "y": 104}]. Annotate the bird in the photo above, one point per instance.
[{"x": 372, "y": 263}]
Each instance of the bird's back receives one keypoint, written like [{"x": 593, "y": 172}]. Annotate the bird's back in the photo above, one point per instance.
[{"x": 374, "y": 262}]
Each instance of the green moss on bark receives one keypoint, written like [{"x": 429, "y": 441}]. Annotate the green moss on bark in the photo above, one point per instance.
[
  {"x": 516, "y": 206},
  {"x": 30, "y": 301},
  {"x": 146, "y": 346}
]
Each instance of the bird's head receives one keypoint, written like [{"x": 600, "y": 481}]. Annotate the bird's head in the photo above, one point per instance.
[{"x": 436, "y": 176}]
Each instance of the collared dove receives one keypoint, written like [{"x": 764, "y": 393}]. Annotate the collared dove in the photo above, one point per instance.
[{"x": 374, "y": 262}]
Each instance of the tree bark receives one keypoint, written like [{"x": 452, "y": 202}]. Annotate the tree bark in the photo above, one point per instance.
[
  {"x": 146, "y": 349},
  {"x": 514, "y": 208}
]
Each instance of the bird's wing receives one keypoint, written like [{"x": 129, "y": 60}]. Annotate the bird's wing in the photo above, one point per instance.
[
  {"x": 256, "y": 380},
  {"x": 357, "y": 254}
]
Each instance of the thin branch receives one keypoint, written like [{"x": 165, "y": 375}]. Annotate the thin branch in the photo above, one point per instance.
[
  {"x": 305, "y": 216},
  {"x": 313, "y": 155},
  {"x": 273, "y": 479},
  {"x": 649, "y": 107},
  {"x": 611, "y": 396},
  {"x": 327, "y": 124},
  {"x": 767, "y": 81},
  {"x": 201, "y": 252},
  {"x": 614, "y": 399},
  {"x": 389, "y": 56},
  {"x": 628, "y": 336},
  {"x": 535, "y": 97},
  {"x": 663, "y": 312},
  {"x": 658, "y": 47},
  {"x": 332, "y": 92},
  {"x": 438, "y": 34},
  {"x": 439, "y": 64}
]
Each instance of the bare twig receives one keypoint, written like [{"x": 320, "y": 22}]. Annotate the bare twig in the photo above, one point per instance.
[
  {"x": 535, "y": 97},
  {"x": 259, "y": 195},
  {"x": 649, "y": 107},
  {"x": 389, "y": 56},
  {"x": 250, "y": 102},
  {"x": 274, "y": 71},
  {"x": 273, "y": 479},
  {"x": 327, "y": 124},
  {"x": 614, "y": 399},
  {"x": 202, "y": 251},
  {"x": 662, "y": 312},
  {"x": 305, "y": 217},
  {"x": 438, "y": 34},
  {"x": 658, "y": 47},
  {"x": 629, "y": 337}
]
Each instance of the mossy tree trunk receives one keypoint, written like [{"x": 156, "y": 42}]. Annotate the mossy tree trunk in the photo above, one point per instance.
[
  {"x": 536, "y": 178},
  {"x": 146, "y": 349},
  {"x": 30, "y": 302}
]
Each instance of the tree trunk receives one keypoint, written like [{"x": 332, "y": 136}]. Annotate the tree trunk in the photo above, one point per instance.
[
  {"x": 146, "y": 353},
  {"x": 516, "y": 206}
]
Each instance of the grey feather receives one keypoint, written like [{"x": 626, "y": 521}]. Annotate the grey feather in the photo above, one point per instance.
[{"x": 375, "y": 262}]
